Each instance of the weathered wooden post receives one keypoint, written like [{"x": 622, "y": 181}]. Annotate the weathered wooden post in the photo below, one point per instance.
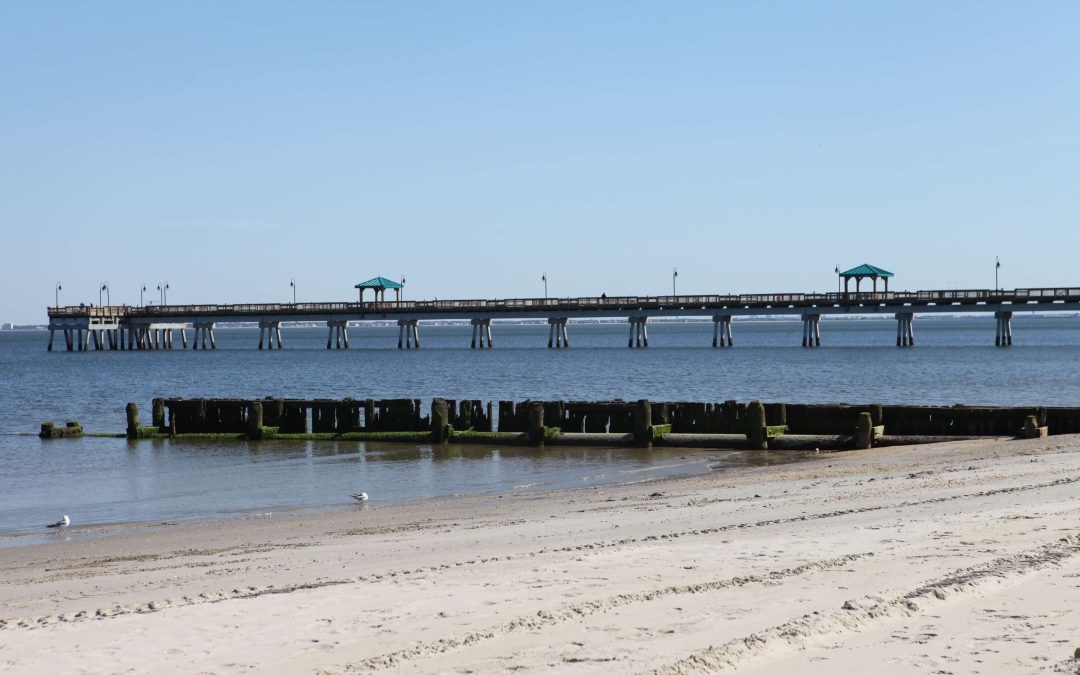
[
  {"x": 132, "y": 420},
  {"x": 255, "y": 420},
  {"x": 440, "y": 420},
  {"x": 757, "y": 436},
  {"x": 643, "y": 423},
  {"x": 200, "y": 415},
  {"x": 1032, "y": 428},
  {"x": 877, "y": 414},
  {"x": 157, "y": 411},
  {"x": 864, "y": 431},
  {"x": 536, "y": 422}
]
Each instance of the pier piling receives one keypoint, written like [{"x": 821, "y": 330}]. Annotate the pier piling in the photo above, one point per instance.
[
  {"x": 757, "y": 435},
  {"x": 864, "y": 431},
  {"x": 536, "y": 422},
  {"x": 255, "y": 420},
  {"x": 132, "y": 411},
  {"x": 643, "y": 428}
]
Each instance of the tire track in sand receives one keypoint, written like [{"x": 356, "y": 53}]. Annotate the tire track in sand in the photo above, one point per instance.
[
  {"x": 859, "y": 615},
  {"x": 574, "y": 611}
]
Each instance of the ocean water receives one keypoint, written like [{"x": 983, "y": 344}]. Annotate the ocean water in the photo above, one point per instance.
[{"x": 99, "y": 480}]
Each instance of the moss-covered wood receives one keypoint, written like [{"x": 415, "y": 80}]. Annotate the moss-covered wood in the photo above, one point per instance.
[{"x": 70, "y": 430}]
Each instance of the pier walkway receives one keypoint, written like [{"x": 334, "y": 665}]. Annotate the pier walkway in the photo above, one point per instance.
[{"x": 155, "y": 327}]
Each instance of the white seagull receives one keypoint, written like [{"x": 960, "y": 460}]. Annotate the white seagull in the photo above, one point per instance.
[
  {"x": 64, "y": 522},
  {"x": 360, "y": 497}
]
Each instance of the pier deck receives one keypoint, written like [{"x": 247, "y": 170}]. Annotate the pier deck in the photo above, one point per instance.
[{"x": 150, "y": 327}]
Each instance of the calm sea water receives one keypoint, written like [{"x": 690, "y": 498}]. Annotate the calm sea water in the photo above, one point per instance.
[{"x": 111, "y": 480}]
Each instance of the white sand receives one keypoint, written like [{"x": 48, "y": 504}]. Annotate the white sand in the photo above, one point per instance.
[{"x": 961, "y": 557}]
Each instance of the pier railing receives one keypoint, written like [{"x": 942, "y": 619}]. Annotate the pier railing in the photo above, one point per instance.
[{"x": 555, "y": 305}]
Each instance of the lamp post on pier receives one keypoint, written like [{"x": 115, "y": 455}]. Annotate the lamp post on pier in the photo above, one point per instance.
[
  {"x": 674, "y": 276},
  {"x": 401, "y": 295},
  {"x": 997, "y": 266},
  {"x": 58, "y": 289},
  {"x": 544, "y": 279},
  {"x": 141, "y": 291},
  {"x": 292, "y": 283},
  {"x": 163, "y": 291},
  {"x": 108, "y": 298},
  {"x": 836, "y": 270}
]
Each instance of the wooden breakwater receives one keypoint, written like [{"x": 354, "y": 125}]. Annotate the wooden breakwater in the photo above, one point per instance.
[{"x": 724, "y": 424}]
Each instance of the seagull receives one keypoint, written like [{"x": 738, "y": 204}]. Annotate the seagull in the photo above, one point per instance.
[
  {"x": 360, "y": 497},
  {"x": 64, "y": 522}
]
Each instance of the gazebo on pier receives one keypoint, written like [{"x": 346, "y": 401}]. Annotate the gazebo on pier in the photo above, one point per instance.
[
  {"x": 380, "y": 284},
  {"x": 865, "y": 272}
]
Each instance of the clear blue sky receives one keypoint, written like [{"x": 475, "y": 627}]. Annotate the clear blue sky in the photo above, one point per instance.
[{"x": 472, "y": 146}]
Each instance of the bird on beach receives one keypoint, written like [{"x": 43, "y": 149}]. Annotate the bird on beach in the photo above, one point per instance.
[
  {"x": 360, "y": 497},
  {"x": 63, "y": 522}
]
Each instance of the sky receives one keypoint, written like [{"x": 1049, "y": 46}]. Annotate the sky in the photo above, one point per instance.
[{"x": 470, "y": 147}]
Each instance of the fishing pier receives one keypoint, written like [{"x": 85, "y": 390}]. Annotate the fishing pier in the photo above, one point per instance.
[{"x": 157, "y": 326}]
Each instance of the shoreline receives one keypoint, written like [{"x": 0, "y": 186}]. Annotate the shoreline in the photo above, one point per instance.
[
  {"x": 848, "y": 563},
  {"x": 40, "y": 536}
]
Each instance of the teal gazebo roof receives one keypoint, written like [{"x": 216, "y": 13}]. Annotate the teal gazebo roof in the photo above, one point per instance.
[
  {"x": 867, "y": 271},
  {"x": 380, "y": 283}
]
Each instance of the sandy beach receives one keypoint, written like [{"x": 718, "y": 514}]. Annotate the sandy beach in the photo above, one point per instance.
[{"x": 959, "y": 557}]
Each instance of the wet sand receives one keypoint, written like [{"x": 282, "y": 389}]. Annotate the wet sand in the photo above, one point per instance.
[{"x": 960, "y": 557}]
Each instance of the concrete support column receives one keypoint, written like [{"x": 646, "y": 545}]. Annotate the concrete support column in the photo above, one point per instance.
[
  {"x": 409, "y": 333},
  {"x": 905, "y": 334},
  {"x": 811, "y": 330},
  {"x": 51, "y": 334},
  {"x": 721, "y": 335},
  {"x": 183, "y": 337},
  {"x": 68, "y": 339},
  {"x": 337, "y": 334},
  {"x": 1003, "y": 337},
  {"x": 273, "y": 331},
  {"x": 204, "y": 330},
  {"x": 558, "y": 337},
  {"x": 481, "y": 333},
  {"x": 639, "y": 331}
]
